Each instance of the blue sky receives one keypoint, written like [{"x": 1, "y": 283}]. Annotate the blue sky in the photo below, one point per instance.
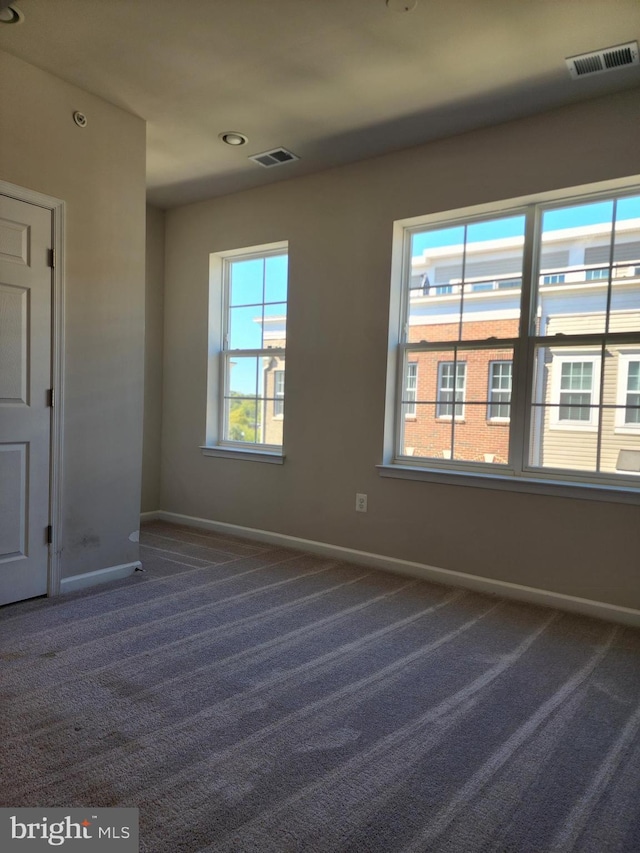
[{"x": 513, "y": 226}]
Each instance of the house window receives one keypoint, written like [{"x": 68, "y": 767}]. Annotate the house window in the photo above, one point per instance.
[
  {"x": 500, "y": 379},
  {"x": 628, "y": 396},
  {"x": 278, "y": 403},
  {"x": 632, "y": 397},
  {"x": 247, "y": 347},
  {"x": 411, "y": 390},
  {"x": 596, "y": 275},
  {"x": 576, "y": 391},
  {"x": 452, "y": 376},
  {"x": 540, "y": 359}
]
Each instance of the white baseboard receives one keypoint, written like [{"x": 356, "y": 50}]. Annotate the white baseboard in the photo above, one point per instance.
[
  {"x": 150, "y": 516},
  {"x": 532, "y": 595},
  {"x": 111, "y": 573}
]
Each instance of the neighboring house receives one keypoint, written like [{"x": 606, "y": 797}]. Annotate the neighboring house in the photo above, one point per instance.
[{"x": 476, "y": 295}]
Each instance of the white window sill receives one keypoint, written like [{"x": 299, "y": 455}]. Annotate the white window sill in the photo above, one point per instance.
[
  {"x": 627, "y": 494},
  {"x": 244, "y": 454},
  {"x": 573, "y": 426}
]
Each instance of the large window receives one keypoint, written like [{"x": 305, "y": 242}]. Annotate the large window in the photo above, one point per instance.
[
  {"x": 248, "y": 315},
  {"x": 527, "y": 342}
]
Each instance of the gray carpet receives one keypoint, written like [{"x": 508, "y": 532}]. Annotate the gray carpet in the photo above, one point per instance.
[{"x": 252, "y": 698}]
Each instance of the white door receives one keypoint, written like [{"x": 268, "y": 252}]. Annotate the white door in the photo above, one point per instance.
[{"x": 25, "y": 414}]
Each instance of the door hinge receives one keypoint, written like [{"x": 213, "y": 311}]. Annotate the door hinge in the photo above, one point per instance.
[
  {"x": 52, "y": 257},
  {"x": 49, "y": 534},
  {"x": 51, "y": 398}
]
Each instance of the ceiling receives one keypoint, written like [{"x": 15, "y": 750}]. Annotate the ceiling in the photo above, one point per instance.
[{"x": 332, "y": 80}]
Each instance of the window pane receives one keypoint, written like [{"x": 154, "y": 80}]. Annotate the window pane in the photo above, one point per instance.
[
  {"x": 625, "y": 292},
  {"x": 434, "y": 286},
  {"x": 566, "y": 449},
  {"x": 242, "y": 376},
  {"x": 476, "y": 437},
  {"x": 245, "y": 328},
  {"x": 620, "y": 444},
  {"x": 242, "y": 417},
  {"x": 422, "y": 434},
  {"x": 469, "y": 274},
  {"x": 574, "y": 269},
  {"x": 565, "y": 413},
  {"x": 275, "y": 325},
  {"x": 276, "y": 271},
  {"x": 493, "y": 278},
  {"x": 246, "y": 282}
]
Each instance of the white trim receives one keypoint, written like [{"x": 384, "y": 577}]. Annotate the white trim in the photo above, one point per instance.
[
  {"x": 251, "y": 455},
  {"x": 150, "y": 516},
  {"x": 525, "y": 482},
  {"x": 571, "y": 603},
  {"x": 111, "y": 573},
  {"x": 58, "y": 214}
]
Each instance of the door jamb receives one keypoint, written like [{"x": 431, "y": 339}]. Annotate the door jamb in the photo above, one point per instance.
[{"x": 58, "y": 211}]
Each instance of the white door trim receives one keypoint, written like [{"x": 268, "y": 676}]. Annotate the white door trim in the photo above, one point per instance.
[{"x": 57, "y": 208}]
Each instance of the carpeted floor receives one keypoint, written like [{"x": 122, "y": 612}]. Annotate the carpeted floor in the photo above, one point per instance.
[{"x": 252, "y": 698}]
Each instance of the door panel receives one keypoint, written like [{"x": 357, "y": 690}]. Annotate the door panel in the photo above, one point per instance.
[
  {"x": 25, "y": 377},
  {"x": 13, "y": 344},
  {"x": 13, "y": 501}
]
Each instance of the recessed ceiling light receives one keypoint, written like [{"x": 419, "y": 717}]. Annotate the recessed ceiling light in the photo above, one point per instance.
[
  {"x": 232, "y": 137},
  {"x": 11, "y": 15}
]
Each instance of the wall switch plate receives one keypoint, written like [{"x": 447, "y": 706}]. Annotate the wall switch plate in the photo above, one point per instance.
[{"x": 361, "y": 503}]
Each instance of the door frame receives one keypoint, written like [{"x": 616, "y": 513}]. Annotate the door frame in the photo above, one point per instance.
[{"x": 58, "y": 212}]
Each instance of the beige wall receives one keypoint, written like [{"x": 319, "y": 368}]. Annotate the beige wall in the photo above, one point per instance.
[
  {"x": 153, "y": 341},
  {"x": 339, "y": 226},
  {"x": 99, "y": 171}
]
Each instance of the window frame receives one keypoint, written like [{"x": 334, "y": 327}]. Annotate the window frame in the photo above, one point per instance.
[
  {"x": 520, "y": 474},
  {"x": 220, "y": 354}
]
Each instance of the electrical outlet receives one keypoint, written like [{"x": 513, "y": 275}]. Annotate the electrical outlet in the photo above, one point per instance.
[{"x": 361, "y": 503}]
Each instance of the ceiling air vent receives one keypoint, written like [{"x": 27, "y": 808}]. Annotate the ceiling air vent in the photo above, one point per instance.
[
  {"x": 275, "y": 157},
  {"x": 600, "y": 61}
]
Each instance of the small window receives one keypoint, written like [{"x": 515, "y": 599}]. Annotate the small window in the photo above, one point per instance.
[
  {"x": 247, "y": 322},
  {"x": 452, "y": 377},
  {"x": 500, "y": 379},
  {"x": 628, "y": 402},
  {"x": 576, "y": 391},
  {"x": 596, "y": 275},
  {"x": 632, "y": 401},
  {"x": 411, "y": 390},
  {"x": 555, "y": 278},
  {"x": 278, "y": 403}
]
